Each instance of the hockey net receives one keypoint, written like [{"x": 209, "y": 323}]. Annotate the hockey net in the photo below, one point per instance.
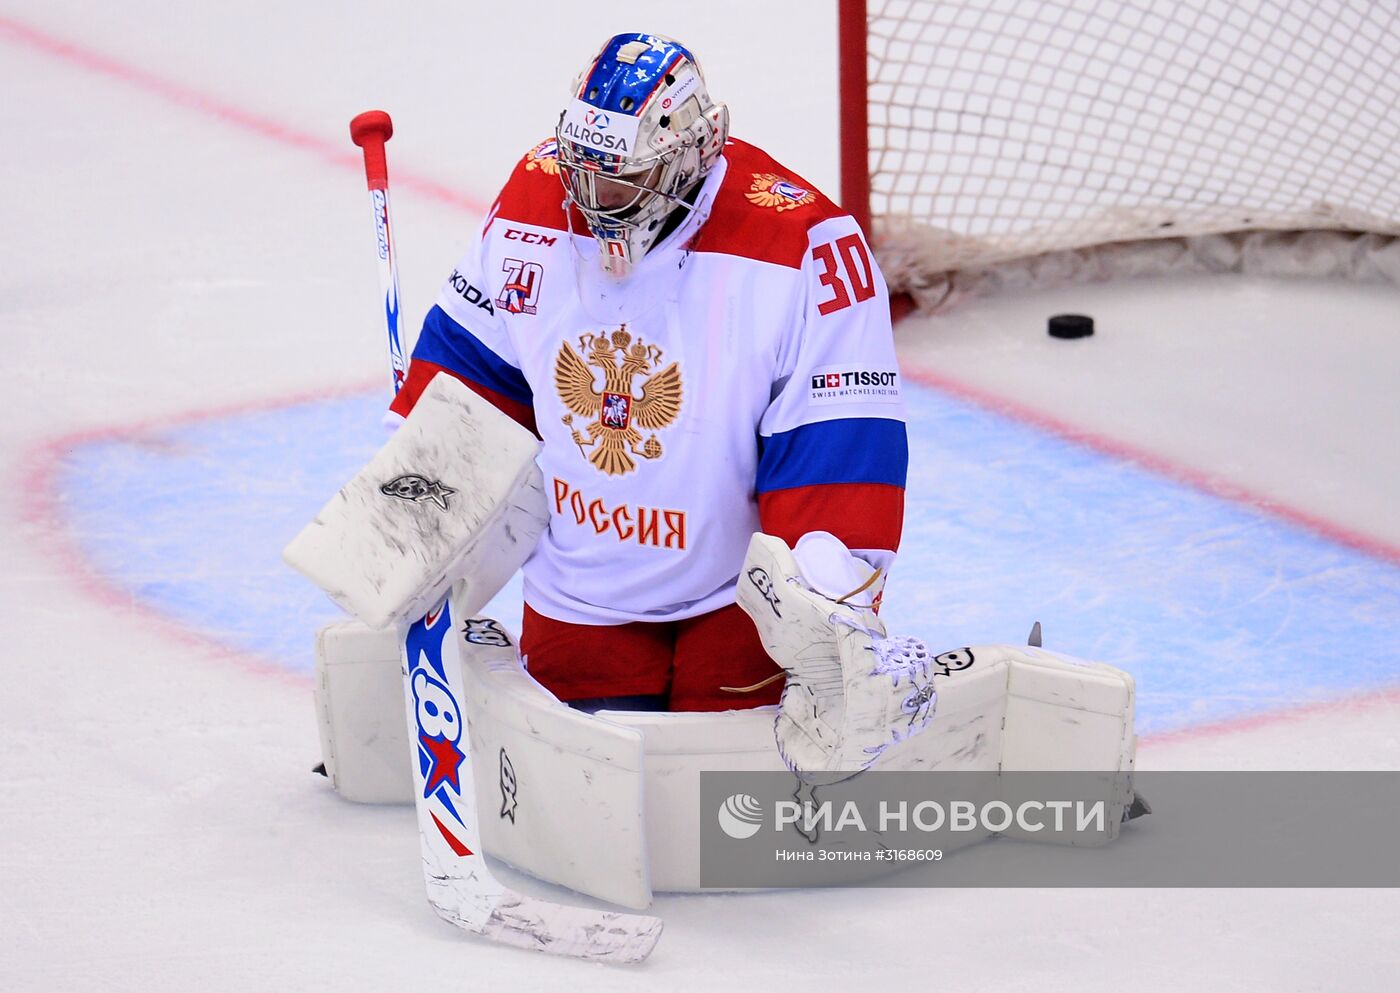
[{"x": 1027, "y": 142}]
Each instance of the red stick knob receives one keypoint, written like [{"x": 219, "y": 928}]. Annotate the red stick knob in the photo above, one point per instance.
[{"x": 370, "y": 131}]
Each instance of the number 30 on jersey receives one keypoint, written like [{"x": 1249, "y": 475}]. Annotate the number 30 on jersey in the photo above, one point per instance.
[{"x": 845, "y": 271}]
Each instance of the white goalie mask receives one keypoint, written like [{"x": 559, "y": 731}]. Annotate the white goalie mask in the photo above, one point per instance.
[{"x": 640, "y": 134}]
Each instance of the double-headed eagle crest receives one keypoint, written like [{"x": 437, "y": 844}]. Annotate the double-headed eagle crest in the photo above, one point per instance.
[
  {"x": 545, "y": 157},
  {"x": 771, "y": 190},
  {"x": 615, "y": 413}
]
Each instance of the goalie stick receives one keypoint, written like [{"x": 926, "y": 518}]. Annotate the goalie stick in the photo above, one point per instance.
[
  {"x": 461, "y": 887},
  {"x": 370, "y": 131}
]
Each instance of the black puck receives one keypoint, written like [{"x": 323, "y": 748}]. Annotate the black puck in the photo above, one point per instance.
[{"x": 1071, "y": 326}]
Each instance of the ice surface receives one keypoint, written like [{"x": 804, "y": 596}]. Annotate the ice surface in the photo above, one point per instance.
[{"x": 187, "y": 297}]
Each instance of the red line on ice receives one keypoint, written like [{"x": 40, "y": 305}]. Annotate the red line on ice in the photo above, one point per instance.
[
  {"x": 339, "y": 153},
  {"x": 1158, "y": 464},
  {"x": 1357, "y": 703},
  {"x": 41, "y": 507},
  {"x": 1215, "y": 486}
]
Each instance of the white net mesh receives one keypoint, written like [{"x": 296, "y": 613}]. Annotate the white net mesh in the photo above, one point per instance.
[{"x": 1006, "y": 129}]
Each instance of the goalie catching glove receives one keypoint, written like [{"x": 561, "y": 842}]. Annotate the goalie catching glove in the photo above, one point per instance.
[{"x": 851, "y": 691}]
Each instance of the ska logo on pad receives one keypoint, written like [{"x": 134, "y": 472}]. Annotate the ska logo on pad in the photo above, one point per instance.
[
  {"x": 614, "y": 413},
  {"x": 417, "y": 489},
  {"x": 509, "y": 785},
  {"x": 955, "y": 661},
  {"x": 485, "y": 631},
  {"x": 764, "y": 584}
]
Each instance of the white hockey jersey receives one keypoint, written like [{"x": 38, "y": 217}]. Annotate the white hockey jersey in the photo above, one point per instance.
[{"x": 742, "y": 378}]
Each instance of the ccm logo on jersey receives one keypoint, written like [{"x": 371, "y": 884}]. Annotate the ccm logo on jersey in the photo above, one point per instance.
[
  {"x": 530, "y": 237},
  {"x": 470, "y": 293},
  {"x": 832, "y": 385}
]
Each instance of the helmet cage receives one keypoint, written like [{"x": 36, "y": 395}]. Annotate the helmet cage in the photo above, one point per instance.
[
  {"x": 659, "y": 182},
  {"x": 640, "y": 134}
]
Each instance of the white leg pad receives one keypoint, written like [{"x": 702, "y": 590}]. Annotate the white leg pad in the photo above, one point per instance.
[
  {"x": 620, "y": 792},
  {"x": 1067, "y": 715},
  {"x": 559, "y": 791},
  {"x": 1064, "y": 714},
  {"x": 359, "y": 711}
]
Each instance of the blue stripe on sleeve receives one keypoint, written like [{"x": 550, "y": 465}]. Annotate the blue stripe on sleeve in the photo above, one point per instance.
[
  {"x": 446, "y": 343},
  {"x": 849, "y": 450}
]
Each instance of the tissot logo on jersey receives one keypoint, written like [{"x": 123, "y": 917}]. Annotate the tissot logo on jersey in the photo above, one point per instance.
[{"x": 854, "y": 384}]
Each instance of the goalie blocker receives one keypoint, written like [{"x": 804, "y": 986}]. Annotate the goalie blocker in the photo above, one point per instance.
[{"x": 453, "y": 496}]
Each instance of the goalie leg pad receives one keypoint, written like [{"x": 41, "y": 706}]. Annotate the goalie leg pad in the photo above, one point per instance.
[
  {"x": 454, "y": 494},
  {"x": 359, "y": 714},
  {"x": 1013, "y": 709}
]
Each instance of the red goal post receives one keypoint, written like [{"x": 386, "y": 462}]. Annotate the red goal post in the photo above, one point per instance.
[{"x": 1021, "y": 142}]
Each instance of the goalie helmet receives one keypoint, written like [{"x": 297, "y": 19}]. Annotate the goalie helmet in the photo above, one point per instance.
[{"x": 639, "y": 135}]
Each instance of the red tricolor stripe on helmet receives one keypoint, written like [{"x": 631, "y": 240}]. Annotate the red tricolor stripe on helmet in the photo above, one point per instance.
[{"x": 583, "y": 82}]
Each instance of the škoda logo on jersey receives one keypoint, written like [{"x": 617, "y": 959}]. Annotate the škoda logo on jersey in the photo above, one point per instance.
[
  {"x": 614, "y": 414},
  {"x": 771, "y": 190}
]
